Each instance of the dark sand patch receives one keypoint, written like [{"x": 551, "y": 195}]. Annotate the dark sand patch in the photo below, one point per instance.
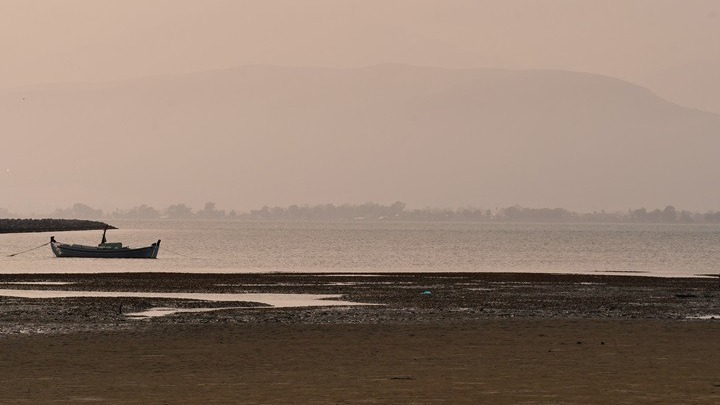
[{"x": 404, "y": 298}]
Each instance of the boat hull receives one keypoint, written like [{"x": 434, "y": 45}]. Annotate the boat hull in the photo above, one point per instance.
[{"x": 65, "y": 250}]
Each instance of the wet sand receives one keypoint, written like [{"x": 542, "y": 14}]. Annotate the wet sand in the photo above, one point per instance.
[
  {"x": 490, "y": 361},
  {"x": 475, "y": 338}
]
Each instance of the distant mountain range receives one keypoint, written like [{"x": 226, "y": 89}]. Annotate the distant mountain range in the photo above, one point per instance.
[{"x": 260, "y": 135}]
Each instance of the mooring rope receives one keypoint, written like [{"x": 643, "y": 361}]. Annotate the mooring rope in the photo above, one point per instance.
[{"x": 29, "y": 250}]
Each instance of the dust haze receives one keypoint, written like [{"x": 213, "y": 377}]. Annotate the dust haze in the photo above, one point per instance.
[{"x": 584, "y": 105}]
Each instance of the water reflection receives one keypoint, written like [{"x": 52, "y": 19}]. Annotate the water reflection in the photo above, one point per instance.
[
  {"x": 37, "y": 282},
  {"x": 714, "y": 316},
  {"x": 273, "y": 300},
  {"x": 161, "y": 311}
]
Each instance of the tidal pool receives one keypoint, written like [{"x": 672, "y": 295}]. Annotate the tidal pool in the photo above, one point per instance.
[
  {"x": 37, "y": 282},
  {"x": 157, "y": 312},
  {"x": 272, "y": 300}
]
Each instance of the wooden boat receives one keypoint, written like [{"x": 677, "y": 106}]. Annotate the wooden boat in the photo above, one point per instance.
[{"x": 104, "y": 250}]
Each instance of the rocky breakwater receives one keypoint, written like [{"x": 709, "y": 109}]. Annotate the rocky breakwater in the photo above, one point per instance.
[{"x": 50, "y": 225}]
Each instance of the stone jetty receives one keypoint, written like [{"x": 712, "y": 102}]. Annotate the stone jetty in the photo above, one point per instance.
[{"x": 50, "y": 225}]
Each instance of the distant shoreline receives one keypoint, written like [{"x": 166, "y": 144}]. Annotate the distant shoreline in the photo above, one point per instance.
[
  {"x": 395, "y": 212},
  {"x": 50, "y": 225}
]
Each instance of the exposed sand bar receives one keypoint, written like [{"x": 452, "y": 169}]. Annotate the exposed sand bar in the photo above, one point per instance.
[
  {"x": 476, "y": 338},
  {"x": 493, "y": 361}
]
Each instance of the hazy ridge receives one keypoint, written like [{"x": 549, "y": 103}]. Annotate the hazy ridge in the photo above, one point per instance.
[{"x": 260, "y": 135}]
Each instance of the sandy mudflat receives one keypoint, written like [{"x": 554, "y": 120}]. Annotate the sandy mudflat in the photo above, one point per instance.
[
  {"x": 476, "y": 338},
  {"x": 492, "y": 361}
]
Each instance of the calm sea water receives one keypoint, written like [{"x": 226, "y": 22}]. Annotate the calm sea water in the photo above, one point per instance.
[{"x": 659, "y": 250}]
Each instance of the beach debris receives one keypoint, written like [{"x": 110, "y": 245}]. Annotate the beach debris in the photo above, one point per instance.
[{"x": 426, "y": 292}]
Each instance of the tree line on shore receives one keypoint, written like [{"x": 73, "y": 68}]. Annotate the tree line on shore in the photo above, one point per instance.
[{"x": 393, "y": 212}]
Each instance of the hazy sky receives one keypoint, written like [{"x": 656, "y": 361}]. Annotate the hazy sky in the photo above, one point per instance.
[
  {"x": 82, "y": 40},
  {"x": 670, "y": 47}
]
